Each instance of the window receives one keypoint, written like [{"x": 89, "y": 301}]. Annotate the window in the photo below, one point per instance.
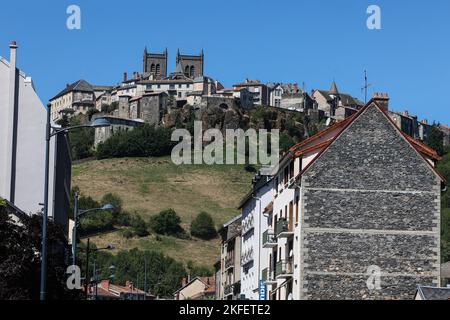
[
  {"x": 291, "y": 170},
  {"x": 158, "y": 69},
  {"x": 297, "y": 202},
  {"x": 172, "y": 87},
  {"x": 179, "y": 94},
  {"x": 286, "y": 174},
  {"x": 159, "y": 86},
  {"x": 276, "y": 184},
  {"x": 149, "y": 86},
  {"x": 153, "y": 68},
  {"x": 179, "y": 86},
  {"x": 192, "y": 72}
]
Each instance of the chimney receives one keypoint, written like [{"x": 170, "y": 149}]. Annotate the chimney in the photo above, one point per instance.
[
  {"x": 382, "y": 99},
  {"x": 105, "y": 285},
  {"x": 12, "y": 115},
  {"x": 125, "y": 76},
  {"x": 425, "y": 121},
  {"x": 183, "y": 282}
]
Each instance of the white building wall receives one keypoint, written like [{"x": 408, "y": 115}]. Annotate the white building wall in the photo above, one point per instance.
[
  {"x": 29, "y": 187},
  {"x": 253, "y": 222}
]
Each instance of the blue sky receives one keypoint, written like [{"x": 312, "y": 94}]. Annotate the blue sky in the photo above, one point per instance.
[{"x": 278, "y": 41}]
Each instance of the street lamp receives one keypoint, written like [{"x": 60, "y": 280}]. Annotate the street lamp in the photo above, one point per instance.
[
  {"x": 49, "y": 133},
  {"x": 76, "y": 214},
  {"x": 89, "y": 250}
]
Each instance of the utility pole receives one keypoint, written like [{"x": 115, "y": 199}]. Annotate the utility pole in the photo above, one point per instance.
[{"x": 366, "y": 86}]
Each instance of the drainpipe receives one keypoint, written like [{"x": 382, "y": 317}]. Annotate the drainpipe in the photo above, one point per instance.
[
  {"x": 259, "y": 243},
  {"x": 11, "y": 134}
]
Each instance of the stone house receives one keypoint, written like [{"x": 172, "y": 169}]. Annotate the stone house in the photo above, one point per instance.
[
  {"x": 260, "y": 91},
  {"x": 357, "y": 198},
  {"x": 329, "y": 101},
  {"x": 229, "y": 286},
  {"x": 199, "y": 288}
]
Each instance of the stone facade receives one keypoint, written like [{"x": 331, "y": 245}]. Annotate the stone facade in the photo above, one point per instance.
[{"x": 370, "y": 199}]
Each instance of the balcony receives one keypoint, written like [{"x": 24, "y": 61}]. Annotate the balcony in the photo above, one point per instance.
[
  {"x": 268, "y": 276},
  {"x": 229, "y": 263},
  {"x": 233, "y": 289},
  {"x": 284, "y": 269},
  {"x": 282, "y": 229},
  {"x": 269, "y": 239}
]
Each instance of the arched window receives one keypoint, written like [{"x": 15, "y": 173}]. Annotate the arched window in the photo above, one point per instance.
[
  {"x": 192, "y": 71},
  {"x": 152, "y": 68},
  {"x": 158, "y": 69},
  {"x": 186, "y": 71}
]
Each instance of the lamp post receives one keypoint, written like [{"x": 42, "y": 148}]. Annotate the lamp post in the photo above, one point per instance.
[
  {"x": 98, "y": 123},
  {"x": 88, "y": 251},
  {"x": 76, "y": 214}
]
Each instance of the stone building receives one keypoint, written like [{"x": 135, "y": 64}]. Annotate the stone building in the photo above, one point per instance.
[
  {"x": 229, "y": 287},
  {"x": 117, "y": 125},
  {"x": 155, "y": 64},
  {"x": 77, "y": 98},
  {"x": 358, "y": 200},
  {"x": 331, "y": 100},
  {"x": 260, "y": 91},
  {"x": 191, "y": 65}
]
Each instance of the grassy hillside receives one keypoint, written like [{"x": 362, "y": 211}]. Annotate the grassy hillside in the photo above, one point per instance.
[{"x": 149, "y": 185}]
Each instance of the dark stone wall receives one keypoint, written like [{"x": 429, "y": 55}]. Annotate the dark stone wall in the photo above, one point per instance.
[{"x": 370, "y": 199}]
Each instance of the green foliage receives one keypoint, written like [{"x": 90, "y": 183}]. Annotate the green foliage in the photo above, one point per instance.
[
  {"x": 167, "y": 222},
  {"x": 163, "y": 274},
  {"x": 144, "y": 141},
  {"x": 435, "y": 139},
  {"x": 286, "y": 142},
  {"x": 139, "y": 226},
  {"x": 444, "y": 169},
  {"x": 81, "y": 140},
  {"x": 108, "y": 108},
  {"x": 198, "y": 271},
  {"x": 203, "y": 227},
  {"x": 127, "y": 233},
  {"x": 20, "y": 247},
  {"x": 100, "y": 220}
]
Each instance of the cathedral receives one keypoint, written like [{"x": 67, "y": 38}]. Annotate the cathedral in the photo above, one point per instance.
[{"x": 155, "y": 64}]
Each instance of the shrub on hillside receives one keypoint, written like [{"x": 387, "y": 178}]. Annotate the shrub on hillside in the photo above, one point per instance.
[
  {"x": 144, "y": 141},
  {"x": 203, "y": 227},
  {"x": 167, "y": 222},
  {"x": 139, "y": 227}
]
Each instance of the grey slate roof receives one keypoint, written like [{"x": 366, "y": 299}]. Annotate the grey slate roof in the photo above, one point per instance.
[
  {"x": 433, "y": 293},
  {"x": 80, "y": 85}
]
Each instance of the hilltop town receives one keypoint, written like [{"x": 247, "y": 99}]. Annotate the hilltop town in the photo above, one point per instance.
[
  {"x": 157, "y": 97},
  {"x": 354, "y": 208}
]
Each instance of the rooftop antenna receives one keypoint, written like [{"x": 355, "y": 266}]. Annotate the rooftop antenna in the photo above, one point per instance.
[{"x": 366, "y": 86}]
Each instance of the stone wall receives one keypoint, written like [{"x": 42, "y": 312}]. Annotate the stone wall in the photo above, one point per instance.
[{"x": 369, "y": 200}]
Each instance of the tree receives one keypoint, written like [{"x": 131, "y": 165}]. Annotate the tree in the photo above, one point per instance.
[
  {"x": 20, "y": 247},
  {"x": 139, "y": 226},
  {"x": 167, "y": 222},
  {"x": 436, "y": 139},
  {"x": 203, "y": 227}
]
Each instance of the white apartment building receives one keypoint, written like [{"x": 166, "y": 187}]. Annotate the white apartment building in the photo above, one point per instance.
[
  {"x": 22, "y": 147},
  {"x": 253, "y": 258}
]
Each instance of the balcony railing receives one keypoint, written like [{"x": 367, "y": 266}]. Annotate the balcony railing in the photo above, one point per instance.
[
  {"x": 269, "y": 239},
  {"x": 268, "y": 275},
  {"x": 284, "y": 269},
  {"x": 229, "y": 262},
  {"x": 233, "y": 289},
  {"x": 282, "y": 228}
]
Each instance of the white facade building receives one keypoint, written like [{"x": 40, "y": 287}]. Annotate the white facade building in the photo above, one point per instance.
[
  {"x": 22, "y": 147},
  {"x": 253, "y": 257}
]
